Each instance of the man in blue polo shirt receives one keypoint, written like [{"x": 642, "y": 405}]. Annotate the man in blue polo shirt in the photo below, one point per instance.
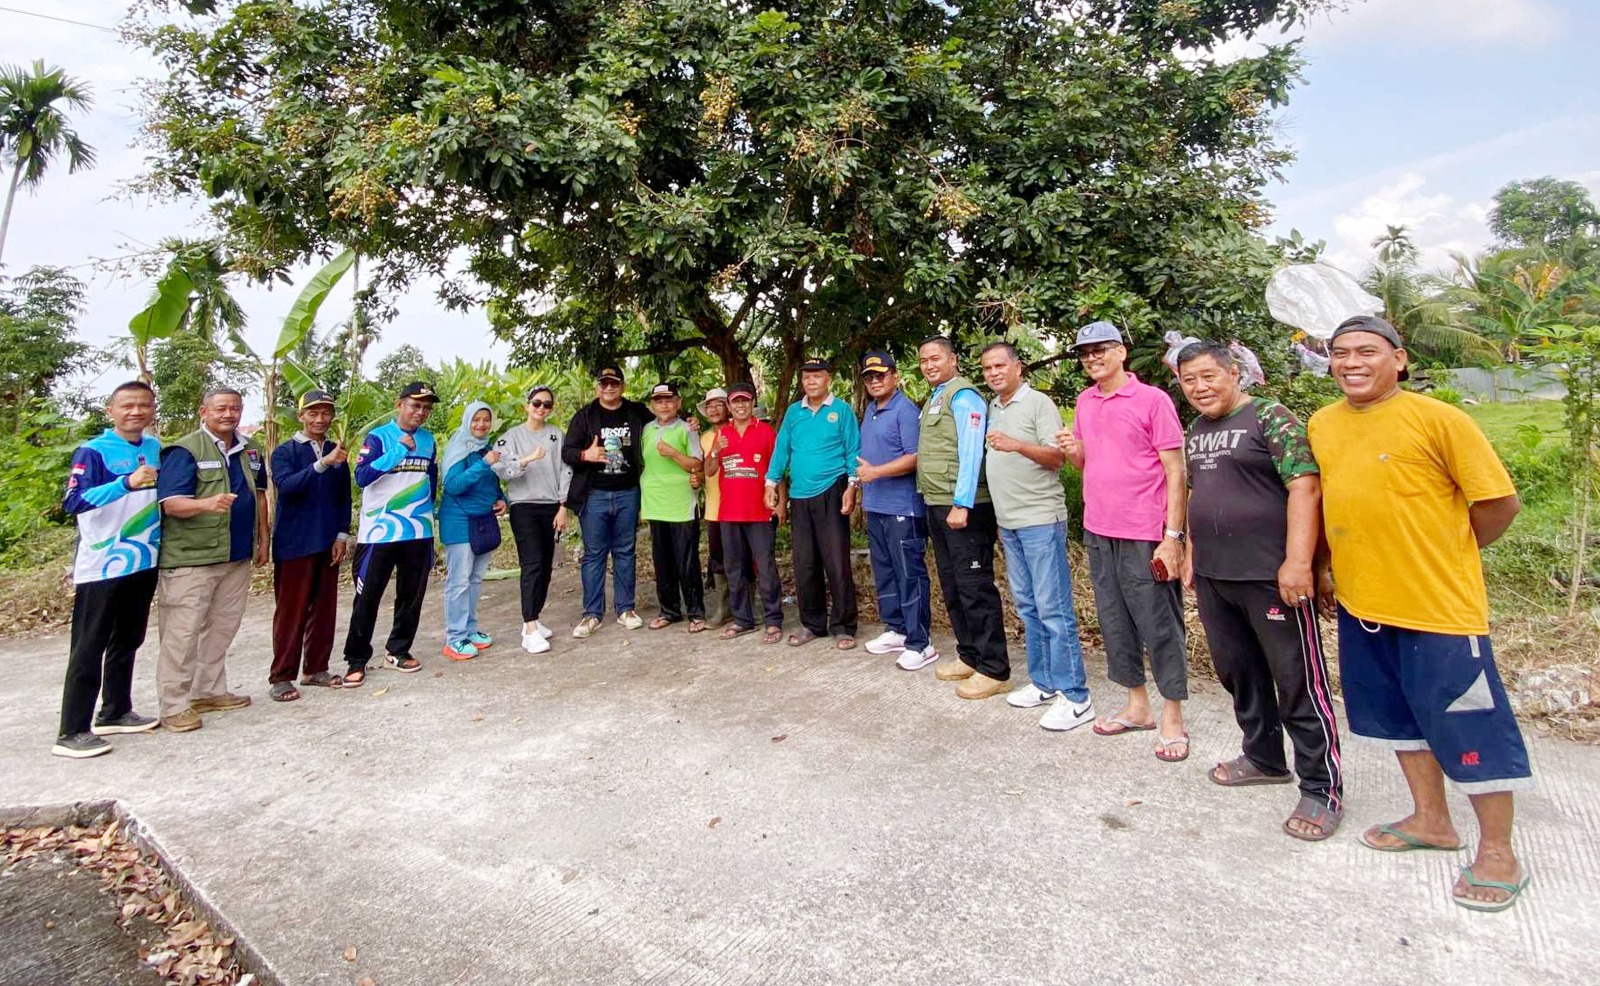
[
  {"x": 214, "y": 524},
  {"x": 817, "y": 447},
  {"x": 897, "y": 526}
]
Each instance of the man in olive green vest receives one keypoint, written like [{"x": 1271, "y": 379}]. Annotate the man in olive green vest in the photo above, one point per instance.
[
  {"x": 214, "y": 524},
  {"x": 961, "y": 522}
]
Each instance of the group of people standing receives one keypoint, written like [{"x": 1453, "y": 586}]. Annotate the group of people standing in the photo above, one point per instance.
[{"x": 1374, "y": 513}]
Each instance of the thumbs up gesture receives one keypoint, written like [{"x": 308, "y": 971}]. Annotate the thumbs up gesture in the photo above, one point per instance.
[
  {"x": 143, "y": 477},
  {"x": 594, "y": 453},
  {"x": 865, "y": 471}
]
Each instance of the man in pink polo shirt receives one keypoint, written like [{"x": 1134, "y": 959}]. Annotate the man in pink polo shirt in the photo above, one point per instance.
[{"x": 1127, "y": 440}]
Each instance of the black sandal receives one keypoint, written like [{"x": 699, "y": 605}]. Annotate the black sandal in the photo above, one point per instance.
[
  {"x": 735, "y": 631},
  {"x": 284, "y": 691}
]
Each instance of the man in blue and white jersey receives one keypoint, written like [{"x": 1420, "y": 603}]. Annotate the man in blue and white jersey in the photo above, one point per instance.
[
  {"x": 398, "y": 472},
  {"x": 112, "y": 493}
]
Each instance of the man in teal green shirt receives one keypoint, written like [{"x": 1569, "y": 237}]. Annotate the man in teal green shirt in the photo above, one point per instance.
[
  {"x": 817, "y": 447},
  {"x": 672, "y": 472}
]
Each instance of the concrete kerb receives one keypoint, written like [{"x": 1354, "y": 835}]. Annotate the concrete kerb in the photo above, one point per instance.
[{"x": 94, "y": 813}]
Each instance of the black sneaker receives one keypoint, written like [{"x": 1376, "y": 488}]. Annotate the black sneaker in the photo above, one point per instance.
[
  {"x": 80, "y": 746},
  {"x": 402, "y": 662},
  {"x": 131, "y": 722}
]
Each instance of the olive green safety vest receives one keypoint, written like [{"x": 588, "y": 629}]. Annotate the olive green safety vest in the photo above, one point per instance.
[
  {"x": 936, "y": 449},
  {"x": 204, "y": 538}
]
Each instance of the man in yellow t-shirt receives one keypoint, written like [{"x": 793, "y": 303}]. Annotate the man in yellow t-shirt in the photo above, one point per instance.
[{"x": 1411, "y": 490}]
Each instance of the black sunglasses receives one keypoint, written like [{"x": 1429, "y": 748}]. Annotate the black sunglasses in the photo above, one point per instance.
[{"x": 544, "y": 404}]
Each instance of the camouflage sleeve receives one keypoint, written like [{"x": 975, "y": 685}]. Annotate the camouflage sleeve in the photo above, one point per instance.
[{"x": 1286, "y": 439}]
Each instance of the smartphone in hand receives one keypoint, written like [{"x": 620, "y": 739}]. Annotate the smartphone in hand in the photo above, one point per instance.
[{"x": 1158, "y": 570}]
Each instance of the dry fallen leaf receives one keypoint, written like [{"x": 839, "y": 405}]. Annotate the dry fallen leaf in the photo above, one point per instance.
[
  {"x": 1130, "y": 802},
  {"x": 780, "y": 737},
  {"x": 569, "y": 876},
  {"x": 477, "y": 718},
  {"x": 350, "y": 954},
  {"x": 715, "y": 822},
  {"x": 381, "y": 691}
]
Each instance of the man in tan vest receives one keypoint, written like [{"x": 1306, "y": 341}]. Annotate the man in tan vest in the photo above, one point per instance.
[{"x": 214, "y": 524}]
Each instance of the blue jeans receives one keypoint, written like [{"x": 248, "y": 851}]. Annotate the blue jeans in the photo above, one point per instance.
[
  {"x": 610, "y": 523},
  {"x": 900, "y": 571},
  {"x": 463, "y": 584},
  {"x": 1041, "y": 587}
]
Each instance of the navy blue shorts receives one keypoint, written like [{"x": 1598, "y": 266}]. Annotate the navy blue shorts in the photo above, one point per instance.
[{"x": 1411, "y": 690}]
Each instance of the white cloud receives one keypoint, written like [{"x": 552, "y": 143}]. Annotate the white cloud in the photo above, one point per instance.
[
  {"x": 1439, "y": 223},
  {"x": 1416, "y": 22}
]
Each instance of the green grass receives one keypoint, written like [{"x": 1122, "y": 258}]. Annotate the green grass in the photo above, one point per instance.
[{"x": 1519, "y": 566}]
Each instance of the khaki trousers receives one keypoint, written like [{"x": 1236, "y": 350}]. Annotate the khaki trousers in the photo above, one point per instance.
[{"x": 200, "y": 610}]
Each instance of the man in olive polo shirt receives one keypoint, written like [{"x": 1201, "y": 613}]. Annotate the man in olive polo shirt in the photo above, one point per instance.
[
  {"x": 214, "y": 524},
  {"x": 1023, "y": 467}
]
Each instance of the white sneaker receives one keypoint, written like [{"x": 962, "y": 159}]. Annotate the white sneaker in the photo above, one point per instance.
[
  {"x": 630, "y": 620},
  {"x": 1065, "y": 715},
  {"x": 535, "y": 643},
  {"x": 916, "y": 660},
  {"x": 543, "y": 630},
  {"x": 887, "y": 642},
  {"x": 586, "y": 626},
  {"x": 1030, "y": 697}
]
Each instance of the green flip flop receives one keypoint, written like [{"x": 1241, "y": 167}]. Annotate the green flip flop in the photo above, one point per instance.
[
  {"x": 1514, "y": 890},
  {"x": 1412, "y": 843}
]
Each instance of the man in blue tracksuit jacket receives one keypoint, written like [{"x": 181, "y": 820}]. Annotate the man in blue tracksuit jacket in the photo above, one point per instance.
[
  {"x": 112, "y": 493},
  {"x": 398, "y": 472}
]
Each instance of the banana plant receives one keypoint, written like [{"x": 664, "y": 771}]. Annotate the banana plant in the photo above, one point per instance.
[{"x": 161, "y": 318}]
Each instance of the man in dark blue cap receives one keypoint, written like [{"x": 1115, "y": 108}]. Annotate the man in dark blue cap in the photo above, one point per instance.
[
  {"x": 310, "y": 538},
  {"x": 897, "y": 526}
]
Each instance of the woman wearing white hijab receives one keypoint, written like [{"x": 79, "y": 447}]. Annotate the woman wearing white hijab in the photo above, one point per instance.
[{"x": 469, "y": 526}]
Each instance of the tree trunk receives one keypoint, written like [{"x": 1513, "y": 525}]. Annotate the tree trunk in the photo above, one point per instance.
[
  {"x": 11, "y": 200},
  {"x": 1586, "y": 484}
]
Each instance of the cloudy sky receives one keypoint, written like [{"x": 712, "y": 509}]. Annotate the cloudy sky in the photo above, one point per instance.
[{"x": 1412, "y": 111}]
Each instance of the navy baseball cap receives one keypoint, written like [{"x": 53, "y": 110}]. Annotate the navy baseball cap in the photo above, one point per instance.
[
  {"x": 1098, "y": 332},
  {"x": 315, "y": 398},
  {"x": 609, "y": 372},
  {"x": 421, "y": 390},
  {"x": 877, "y": 362},
  {"x": 816, "y": 363},
  {"x": 663, "y": 390}
]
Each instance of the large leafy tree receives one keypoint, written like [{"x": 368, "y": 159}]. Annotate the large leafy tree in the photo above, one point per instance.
[
  {"x": 757, "y": 180},
  {"x": 39, "y": 312},
  {"x": 34, "y": 131},
  {"x": 1546, "y": 214}
]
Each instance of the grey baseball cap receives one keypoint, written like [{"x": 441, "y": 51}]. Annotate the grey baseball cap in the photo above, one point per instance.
[
  {"x": 1097, "y": 332},
  {"x": 1378, "y": 327}
]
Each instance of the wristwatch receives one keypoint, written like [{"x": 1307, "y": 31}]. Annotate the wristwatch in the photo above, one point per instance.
[
  {"x": 854, "y": 481},
  {"x": 1177, "y": 536}
]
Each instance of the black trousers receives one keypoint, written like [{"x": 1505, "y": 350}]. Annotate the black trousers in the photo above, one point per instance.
[
  {"x": 749, "y": 545},
  {"x": 1268, "y": 656},
  {"x": 533, "y": 526},
  {"x": 409, "y": 562},
  {"x": 714, "y": 552},
  {"x": 675, "y": 551},
  {"x": 109, "y": 618},
  {"x": 964, "y": 558},
  {"x": 822, "y": 555}
]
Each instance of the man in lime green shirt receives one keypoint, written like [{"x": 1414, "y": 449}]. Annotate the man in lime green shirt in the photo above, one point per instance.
[{"x": 672, "y": 472}]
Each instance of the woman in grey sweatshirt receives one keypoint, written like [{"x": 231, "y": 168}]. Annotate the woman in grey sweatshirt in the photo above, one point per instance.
[{"x": 536, "y": 484}]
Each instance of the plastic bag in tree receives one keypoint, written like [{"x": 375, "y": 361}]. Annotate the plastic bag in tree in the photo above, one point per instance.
[{"x": 1315, "y": 298}]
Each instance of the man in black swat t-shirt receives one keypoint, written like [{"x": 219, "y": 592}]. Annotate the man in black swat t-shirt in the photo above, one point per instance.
[
  {"x": 1254, "y": 511},
  {"x": 602, "y": 447}
]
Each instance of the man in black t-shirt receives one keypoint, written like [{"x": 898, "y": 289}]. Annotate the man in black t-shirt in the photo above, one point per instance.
[
  {"x": 602, "y": 447},
  {"x": 1254, "y": 509}
]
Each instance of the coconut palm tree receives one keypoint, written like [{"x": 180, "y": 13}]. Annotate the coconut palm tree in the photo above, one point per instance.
[
  {"x": 1431, "y": 325},
  {"x": 33, "y": 129}
]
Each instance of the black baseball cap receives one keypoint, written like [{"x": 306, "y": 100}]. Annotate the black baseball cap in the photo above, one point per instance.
[
  {"x": 421, "y": 390},
  {"x": 663, "y": 390},
  {"x": 816, "y": 363},
  {"x": 877, "y": 362},
  {"x": 609, "y": 372},
  {"x": 747, "y": 389},
  {"x": 1378, "y": 327},
  {"x": 314, "y": 398}
]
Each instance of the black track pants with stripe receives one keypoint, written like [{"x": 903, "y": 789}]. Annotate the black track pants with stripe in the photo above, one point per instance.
[{"x": 1268, "y": 655}]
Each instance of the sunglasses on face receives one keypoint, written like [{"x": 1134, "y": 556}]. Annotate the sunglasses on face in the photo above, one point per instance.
[
  {"x": 1095, "y": 352},
  {"x": 547, "y": 405}
]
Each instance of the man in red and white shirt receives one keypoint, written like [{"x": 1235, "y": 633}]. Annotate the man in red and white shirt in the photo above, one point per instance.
[{"x": 740, "y": 453}]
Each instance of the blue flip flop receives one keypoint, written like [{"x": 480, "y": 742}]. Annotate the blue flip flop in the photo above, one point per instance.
[
  {"x": 1412, "y": 843},
  {"x": 1513, "y": 889}
]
